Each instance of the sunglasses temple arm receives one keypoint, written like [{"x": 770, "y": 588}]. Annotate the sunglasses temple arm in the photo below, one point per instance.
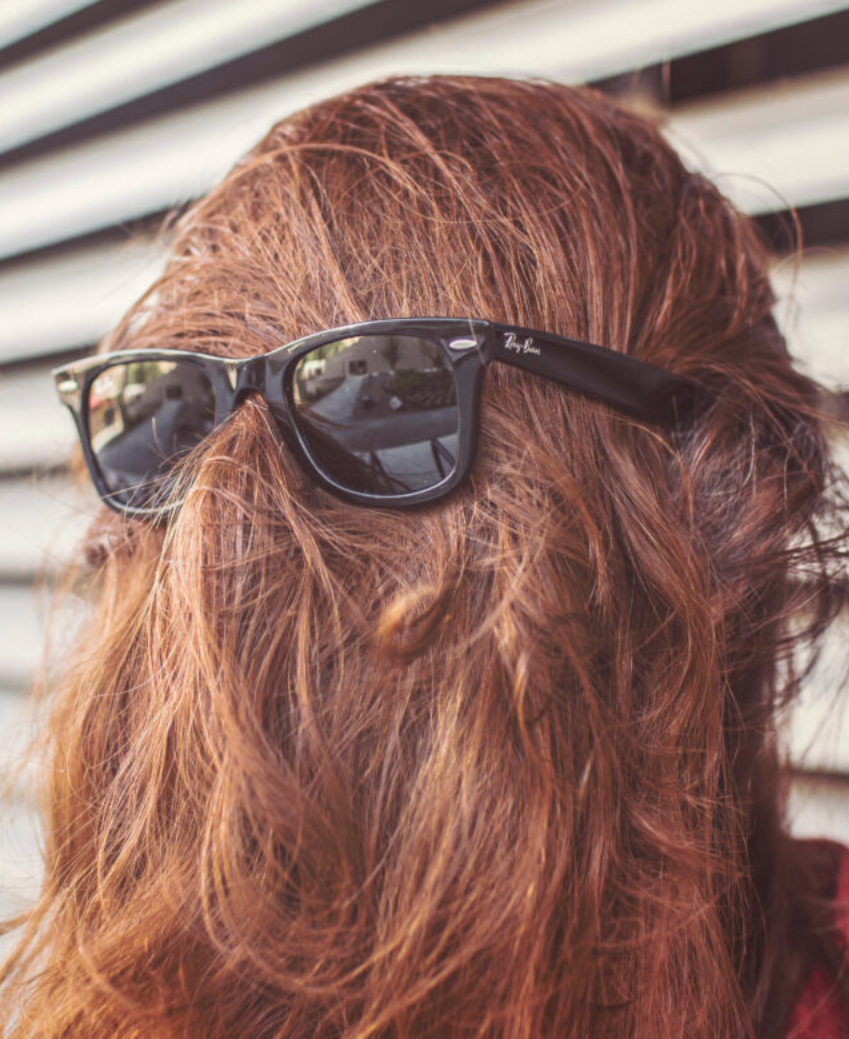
[{"x": 614, "y": 378}]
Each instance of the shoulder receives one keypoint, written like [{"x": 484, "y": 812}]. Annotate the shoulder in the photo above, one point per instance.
[{"x": 818, "y": 1015}]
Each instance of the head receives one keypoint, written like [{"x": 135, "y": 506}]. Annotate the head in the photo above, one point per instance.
[{"x": 502, "y": 764}]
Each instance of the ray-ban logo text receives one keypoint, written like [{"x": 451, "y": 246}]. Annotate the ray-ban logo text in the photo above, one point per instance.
[{"x": 521, "y": 346}]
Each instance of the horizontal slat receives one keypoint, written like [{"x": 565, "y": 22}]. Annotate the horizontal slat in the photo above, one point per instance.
[
  {"x": 770, "y": 148},
  {"x": 35, "y": 431},
  {"x": 816, "y": 731},
  {"x": 21, "y": 18},
  {"x": 61, "y": 303},
  {"x": 26, "y": 616},
  {"x": 20, "y": 859},
  {"x": 22, "y": 634},
  {"x": 813, "y": 313},
  {"x": 143, "y": 53},
  {"x": 818, "y": 281},
  {"x": 819, "y": 807},
  {"x": 130, "y": 173},
  {"x": 150, "y": 167},
  {"x": 42, "y": 519},
  {"x": 17, "y": 728},
  {"x": 20, "y": 864},
  {"x": 820, "y": 343},
  {"x": 173, "y": 41}
]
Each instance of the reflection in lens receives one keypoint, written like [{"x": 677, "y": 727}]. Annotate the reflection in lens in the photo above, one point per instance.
[
  {"x": 379, "y": 412},
  {"x": 142, "y": 417}
]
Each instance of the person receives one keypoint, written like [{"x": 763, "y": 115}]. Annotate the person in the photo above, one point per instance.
[{"x": 425, "y": 695}]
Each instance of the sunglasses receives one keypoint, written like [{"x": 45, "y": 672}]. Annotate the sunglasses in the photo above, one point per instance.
[{"x": 381, "y": 413}]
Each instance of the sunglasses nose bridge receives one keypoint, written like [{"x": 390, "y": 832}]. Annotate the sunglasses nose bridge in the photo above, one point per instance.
[
  {"x": 248, "y": 377},
  {"x": 253, "y": 377}
]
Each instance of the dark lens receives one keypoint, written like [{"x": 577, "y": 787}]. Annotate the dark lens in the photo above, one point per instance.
[
  {"x": 379, "y": 413},
  {"x": 142, "y": 417}
]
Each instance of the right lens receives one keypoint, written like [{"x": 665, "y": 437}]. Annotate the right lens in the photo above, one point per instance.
[
  {"x": 379, "y": 413},
  {"x": 142, "y": 417}
]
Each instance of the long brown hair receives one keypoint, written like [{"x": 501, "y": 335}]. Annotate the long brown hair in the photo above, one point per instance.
[{"x": 503, "y": 765}]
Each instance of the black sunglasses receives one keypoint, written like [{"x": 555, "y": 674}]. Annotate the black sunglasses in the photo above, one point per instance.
[{"x": 382, "y": 413}]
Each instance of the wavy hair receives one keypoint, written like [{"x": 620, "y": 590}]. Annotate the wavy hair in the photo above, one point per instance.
[{"x": 502, "y": 765}]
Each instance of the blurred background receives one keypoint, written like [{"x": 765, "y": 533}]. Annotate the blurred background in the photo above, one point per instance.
[{"x": 113, "y": 113}]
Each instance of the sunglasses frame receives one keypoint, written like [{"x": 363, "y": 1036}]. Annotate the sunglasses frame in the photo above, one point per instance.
[{"x": 469, "y": 344}]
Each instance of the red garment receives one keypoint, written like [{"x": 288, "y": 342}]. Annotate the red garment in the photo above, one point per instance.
[{"x": 818, "y": 1015}]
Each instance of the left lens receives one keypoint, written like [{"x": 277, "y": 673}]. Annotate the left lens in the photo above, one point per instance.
[
  {"x": 142, "y": 417},
  {"x": 379, "y": 413}
]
